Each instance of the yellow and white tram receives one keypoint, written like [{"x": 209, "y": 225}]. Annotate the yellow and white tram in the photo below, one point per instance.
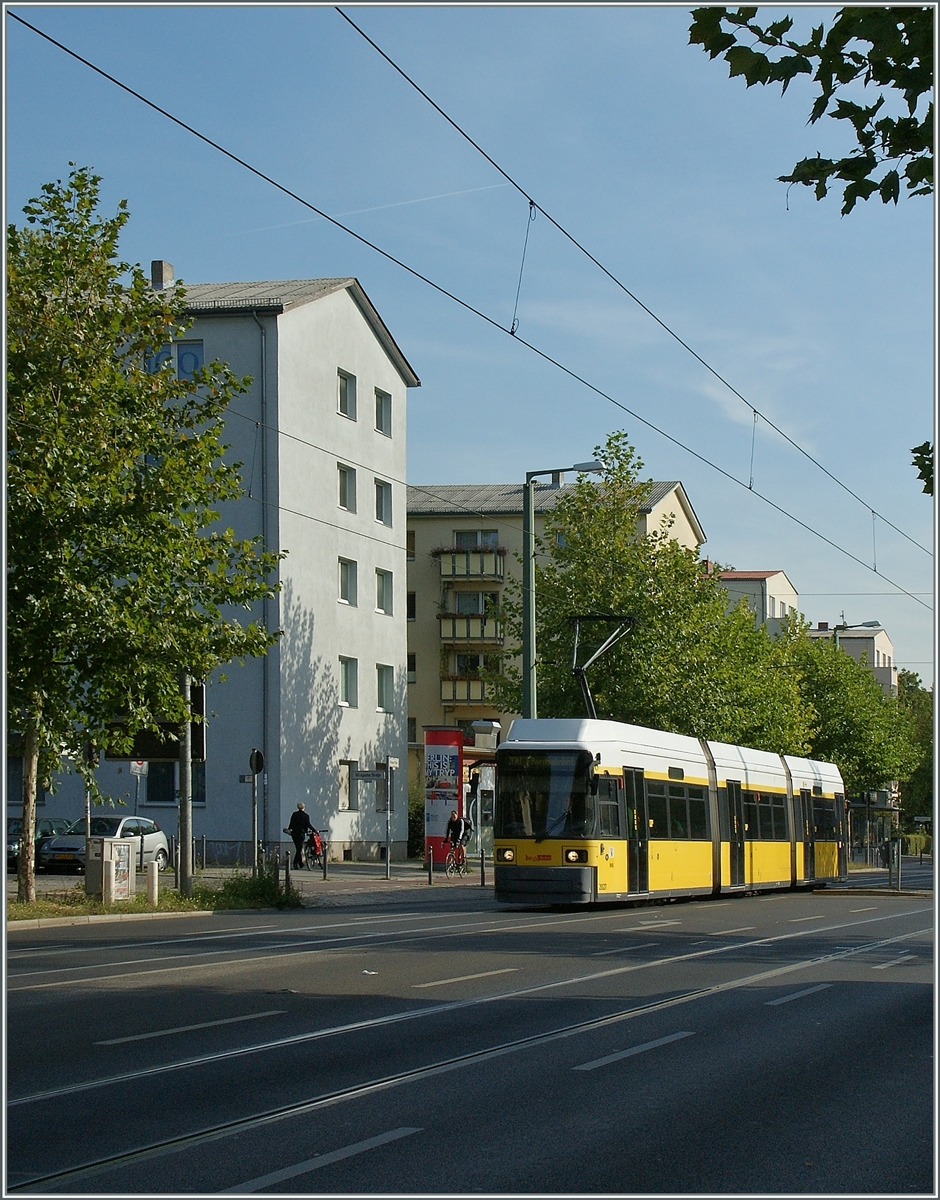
[{"x": 590, "y": 810}]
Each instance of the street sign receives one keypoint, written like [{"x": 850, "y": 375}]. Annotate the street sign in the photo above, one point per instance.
[
  {"x": 393, "y": 763},
  {"x": 369, "y": 776},
  {"x": 139, "y": 767},
  {"x": 245, "y": 778},
  {"x": 256, "y": 762}
]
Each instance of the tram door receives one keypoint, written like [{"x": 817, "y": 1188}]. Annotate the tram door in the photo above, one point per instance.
[
  {"x": 809, "y": 835},
  {"x": 638, "y": 828},
  {"x": 736, "y": 832}
]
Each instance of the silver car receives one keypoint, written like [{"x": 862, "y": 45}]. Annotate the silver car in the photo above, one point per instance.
[{"x": 67, "y": 851}]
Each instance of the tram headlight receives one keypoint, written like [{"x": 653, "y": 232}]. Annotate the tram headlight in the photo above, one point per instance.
[
  {"x": 576, "y": 856},
  {"x": 506, "y": 854}
]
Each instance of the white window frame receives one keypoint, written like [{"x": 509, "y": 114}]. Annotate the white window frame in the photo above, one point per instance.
[
  {"x": 383, "y": 412},
  {"x": 346, "y": 477},
  {"x": 348, "y": 582},
  {"x": 384, "y": 688},
  {"x": 384, "y": 583},
  {"x": 383, "y": 503},
  {"x": 348, "y": 682},
  {"x": 346, "y": 394}
]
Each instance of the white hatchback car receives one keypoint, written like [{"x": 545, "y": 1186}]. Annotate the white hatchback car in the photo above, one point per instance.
[{"x": 67, "y": 850}]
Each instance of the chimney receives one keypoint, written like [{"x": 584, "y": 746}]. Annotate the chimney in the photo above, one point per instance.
[
  {"x": 823, "y": 625},
  {"x": 161, "y": 274}
]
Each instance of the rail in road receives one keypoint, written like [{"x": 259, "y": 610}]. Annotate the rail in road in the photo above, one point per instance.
[{"x": 683, "y": 1047}]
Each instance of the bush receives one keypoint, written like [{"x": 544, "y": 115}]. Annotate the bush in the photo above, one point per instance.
[
  {"x": 416, "y": 818},
  {"x": 248, "y": 891},
  {"x": 915, "y": 843}
]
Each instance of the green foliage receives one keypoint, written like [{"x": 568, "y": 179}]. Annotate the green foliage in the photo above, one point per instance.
[
  {"x": 416, "y": 818},
  {"x": 119, "y": 577},
  {"x": 923, "y": 461},
  {"x": 917, "y": 786},
  {"x": 890, "y": 49},
  {"x": 867, "y": 733},
  {"x": 248, "y": 891},
  {"x": 688, "y": 666}
]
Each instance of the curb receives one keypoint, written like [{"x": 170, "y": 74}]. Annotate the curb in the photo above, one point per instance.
[
  {"x": 91, "y": 918},
  {"x": 849, "y": 891}
]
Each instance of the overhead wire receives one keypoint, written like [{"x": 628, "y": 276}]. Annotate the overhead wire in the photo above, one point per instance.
[
  {"x": 622, "y": 286},
  {"x": 458, "y": 300}
]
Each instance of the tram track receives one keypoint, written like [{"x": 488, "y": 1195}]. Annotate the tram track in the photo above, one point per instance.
[{"x": 187, "y": 1141}]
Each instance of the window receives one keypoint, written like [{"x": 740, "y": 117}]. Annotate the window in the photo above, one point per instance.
[
  {"x": 383, "y": 412},
  {"x": 765, "y": 817},
  {"x": 384, "y": 687},
  {"x": 476, "y": 603},
  {"x": 348, "y": 583},
  {"x": 161, "y": 783},
  {"x": 412, "y": 729},
  {"x": 347, "y": 488},
  {"x": 476, "y": 539},
  {"x": 349, "y": 682},
  {"x": 383, "y": 502},
  {"x": 347, "y": 394},
  {"x": 412, "y": 659},
  {"x": 411, "y": 606},
  {"x": 383, "y": 592},
  {"x": 677, "y": 811},
  {"x": 348, "y": 786},
  {"x": 188, "y": 358},
  {"x": 410, "y": 545}
]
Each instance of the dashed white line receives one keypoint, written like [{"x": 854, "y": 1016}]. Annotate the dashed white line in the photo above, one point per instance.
[
  {"x": 641, "y": 1049},
  {"x": 321, "y": 1160},
  {"x": 740, "y": 929},
  {"x": 796, "y": 920},
  {"x": 141, "y": 1037},
  {"x": 464, "y": 978},
  {"x": 820, "y": 987},
  {"x": 894, "y": 962}
]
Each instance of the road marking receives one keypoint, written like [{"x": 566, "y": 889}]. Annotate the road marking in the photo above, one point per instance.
[
  {"x": 321, "y": 1160},
  {"x": 796, "y": 920},
  {"x": 650, "y": 925},
  {"x": 871, "y": 908},
  {"x": 455, "y": 1005},
  {"x": 609, "y": 1058},
  {"x": 894, "y": 962},
  {"x": 624, "y": 949},
  {"x": 820, "y": 987},
  {"x": 141, "y": 1037},
  {"x": 464, "y": 978},
  {"x": 740, "y": 929}
]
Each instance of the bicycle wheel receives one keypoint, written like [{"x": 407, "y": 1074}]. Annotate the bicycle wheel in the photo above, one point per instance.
[
  {"x": 310, "y": 857},
  {"x": 450, "y": 865}
]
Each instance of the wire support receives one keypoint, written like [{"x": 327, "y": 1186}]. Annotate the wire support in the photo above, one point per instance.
[{"x": 528, "y": 225}]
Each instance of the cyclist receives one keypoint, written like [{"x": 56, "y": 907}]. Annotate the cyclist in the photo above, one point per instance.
[{"x": 459, "y": 830}]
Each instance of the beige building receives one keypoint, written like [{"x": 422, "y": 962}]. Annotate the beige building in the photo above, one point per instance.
[
  {"x": 769, "y": 595},
  {"x": 868, "y": 643},
  {"x": 464, "y": 541}
]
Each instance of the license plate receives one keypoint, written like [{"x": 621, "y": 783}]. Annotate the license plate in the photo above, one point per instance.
[{"x": 68, "y": 856}]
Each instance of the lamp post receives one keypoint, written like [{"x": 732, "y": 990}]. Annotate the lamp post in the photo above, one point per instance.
[{"x": 529, "y": 697}]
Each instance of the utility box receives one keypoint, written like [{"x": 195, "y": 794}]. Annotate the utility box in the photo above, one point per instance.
[{"x": 120, "y": 851}]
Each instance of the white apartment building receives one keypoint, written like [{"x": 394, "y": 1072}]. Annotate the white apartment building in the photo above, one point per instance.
[
  {"x": 769, "y": 594},
  {"x": 868, "y": 643},
  {"x": 321, "y": 436}
]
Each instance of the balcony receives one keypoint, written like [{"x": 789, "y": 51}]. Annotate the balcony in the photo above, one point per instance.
[
  {"x": 470, "y": 628},
  {"x": 458, "y": 690},
  {"x": 473, "y": 564}
]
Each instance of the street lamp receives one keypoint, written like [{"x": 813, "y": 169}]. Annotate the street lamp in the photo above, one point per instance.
[{"x": 529, "y": 700}]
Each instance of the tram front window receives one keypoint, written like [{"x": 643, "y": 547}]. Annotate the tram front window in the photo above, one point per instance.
[{"x": 544, "y": 795}]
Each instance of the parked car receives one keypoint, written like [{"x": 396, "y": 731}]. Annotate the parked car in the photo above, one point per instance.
[
  {"x": 45, "y": 827},
  {"x": 67, "y": 850}
]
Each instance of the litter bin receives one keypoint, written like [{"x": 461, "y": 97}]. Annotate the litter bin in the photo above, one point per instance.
[{"x": 120, "y": 851}]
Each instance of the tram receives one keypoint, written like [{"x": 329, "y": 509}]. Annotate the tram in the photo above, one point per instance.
[{"x": 589, "y": 811}]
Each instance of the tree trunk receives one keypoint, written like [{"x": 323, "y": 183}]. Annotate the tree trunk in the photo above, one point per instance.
[{"x": 26, "y": 867}]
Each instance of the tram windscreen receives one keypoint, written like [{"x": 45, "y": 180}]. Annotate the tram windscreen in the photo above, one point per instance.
[{"x": 544, "y": 795}]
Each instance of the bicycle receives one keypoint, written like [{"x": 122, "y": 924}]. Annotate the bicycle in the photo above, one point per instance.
[
  {"x": 313, "y": 850},
  {"x": 456, "y": 861}
]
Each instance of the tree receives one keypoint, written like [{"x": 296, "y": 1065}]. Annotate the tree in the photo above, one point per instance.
[
  {"x": 865, "y": 732},
  {"x": 890, "y": 49},
  {"x": 917, "y": 785},
  {"x": 923, "y": 461},
  {"x": 119, "y": 577},
  {"x": 688, "y": 666}
]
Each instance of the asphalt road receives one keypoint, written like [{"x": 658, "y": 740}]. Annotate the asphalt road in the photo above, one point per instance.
[{"x": 424, "y": 1041}]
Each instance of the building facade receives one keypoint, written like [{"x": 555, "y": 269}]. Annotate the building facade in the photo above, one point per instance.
[
  {"x": 769, "y": 594},
  {"x": 321, "y": 436},
  {"x": 464, "y": 543},
  {"x": 868, "y": 643}
]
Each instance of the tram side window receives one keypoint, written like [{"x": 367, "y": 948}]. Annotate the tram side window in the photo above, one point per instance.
[
  {"x": 751, "y": 826},
  {"x": 608, "y": 819},
  {"x": 656, "y": 804},
  {"x": 698, "y": 814},
  {"x": 678, "y": 812},
  {"x": 765, "y": 817},
  {"x": 824, "y": 819}
]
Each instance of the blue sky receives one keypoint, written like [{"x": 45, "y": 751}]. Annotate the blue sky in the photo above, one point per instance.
[{"x": 638, "y": 145}]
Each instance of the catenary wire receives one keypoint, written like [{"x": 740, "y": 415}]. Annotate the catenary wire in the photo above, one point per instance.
[
  {"x": 613, "y": 278},
  {"x": 465, "y": 304}
]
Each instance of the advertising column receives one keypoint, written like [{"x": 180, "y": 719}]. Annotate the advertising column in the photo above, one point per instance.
[{"x": 443, "y": 785}]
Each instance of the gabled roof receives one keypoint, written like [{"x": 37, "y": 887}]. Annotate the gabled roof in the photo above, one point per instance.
[
  {"x": 281, "y": 295},
  {"x": 751, "y": 574},
  {"x": 470, "y": 499}
]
